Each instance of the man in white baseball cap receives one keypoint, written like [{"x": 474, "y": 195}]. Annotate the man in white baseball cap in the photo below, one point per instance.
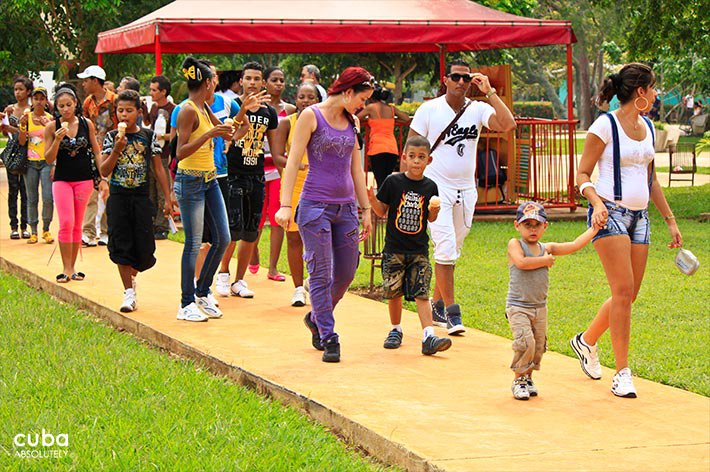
[
  {"x": 93, "y": 71},
  {"x": 99, "y": 107}
]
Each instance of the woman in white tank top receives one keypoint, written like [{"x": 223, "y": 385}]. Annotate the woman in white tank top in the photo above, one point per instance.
[{"x": 618, "y": 205}]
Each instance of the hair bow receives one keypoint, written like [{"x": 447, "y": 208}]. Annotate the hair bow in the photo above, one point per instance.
[{"x": 193, "y": 73}]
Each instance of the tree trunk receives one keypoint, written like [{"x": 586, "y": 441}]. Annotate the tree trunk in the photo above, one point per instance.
[{"x": 584, "y": 98}]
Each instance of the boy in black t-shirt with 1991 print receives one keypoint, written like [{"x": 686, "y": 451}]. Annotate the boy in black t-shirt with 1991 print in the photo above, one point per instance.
[
  {"x": 410, "y": 201},
  {"x": 130, "y": 154}
]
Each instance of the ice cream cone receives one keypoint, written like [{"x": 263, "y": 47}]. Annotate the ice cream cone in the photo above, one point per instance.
[{"x": 435, "y": 202}]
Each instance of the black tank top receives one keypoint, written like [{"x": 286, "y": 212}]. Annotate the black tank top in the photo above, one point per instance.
[{"x": 74, "y": 155}]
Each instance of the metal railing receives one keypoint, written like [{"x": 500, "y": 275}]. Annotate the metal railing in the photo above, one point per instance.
[{"x": 535, "y": 162}]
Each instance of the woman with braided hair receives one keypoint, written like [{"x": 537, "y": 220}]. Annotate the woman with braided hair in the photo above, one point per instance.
[{"x": 197, "y": 191}]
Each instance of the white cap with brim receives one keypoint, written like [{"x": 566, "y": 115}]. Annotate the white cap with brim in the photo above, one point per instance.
[{"x": 93, "y": 71}]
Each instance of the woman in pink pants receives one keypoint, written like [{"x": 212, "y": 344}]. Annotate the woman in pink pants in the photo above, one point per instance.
[{"x": 70, "y": 141}]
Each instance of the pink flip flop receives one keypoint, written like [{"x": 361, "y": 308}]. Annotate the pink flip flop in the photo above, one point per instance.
[
  {"x": 277, "y": 277},
  {"x": 253, "y": 268}
]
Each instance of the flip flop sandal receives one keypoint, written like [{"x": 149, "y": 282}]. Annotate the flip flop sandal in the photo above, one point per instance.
[
  {"x": 62, "y": 278},
  {"x": 78, "y": 276},
  {"x": 277, "y": 277},
  {"x": 253, "y": 268}
]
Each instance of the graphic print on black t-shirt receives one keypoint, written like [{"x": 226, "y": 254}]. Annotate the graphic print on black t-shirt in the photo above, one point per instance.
[
  {"x": 410, "y": 212},
  {"x": 408, "y": 202},
  {"x": 247, "y": 157}
]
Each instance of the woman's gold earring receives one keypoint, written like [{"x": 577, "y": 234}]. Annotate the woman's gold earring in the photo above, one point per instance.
[{"x": 643, "y": 108}]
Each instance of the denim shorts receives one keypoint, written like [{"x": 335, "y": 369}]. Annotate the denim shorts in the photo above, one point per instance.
[{"x": 632, "y": 223}]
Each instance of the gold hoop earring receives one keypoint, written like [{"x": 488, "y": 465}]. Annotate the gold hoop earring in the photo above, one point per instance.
[{"x": 643, "y": 107}]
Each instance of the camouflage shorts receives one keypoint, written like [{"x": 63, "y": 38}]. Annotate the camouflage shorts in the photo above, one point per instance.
[{"x": 407, "y": 275}]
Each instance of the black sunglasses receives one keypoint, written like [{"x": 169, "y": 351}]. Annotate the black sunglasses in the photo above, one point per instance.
[{"x": 457, "y": 77}]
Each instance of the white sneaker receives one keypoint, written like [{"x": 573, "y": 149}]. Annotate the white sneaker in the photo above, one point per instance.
[
  {"x": 212, "y": 298},
  {"x": 103, "y": 240},
  {"x": 207, "y": 307},
  {"x": 222, "y": 284},
  {"x": 588, "y": 357},
  {"x": 520, "y": 388},
  {"x": 129, "y": 301},
  {"x": 191, "y": 313},
  {"x": 240, "y": 289},
  {"x": 622, "y": 385},
  {"x": 299, "y": 297}
]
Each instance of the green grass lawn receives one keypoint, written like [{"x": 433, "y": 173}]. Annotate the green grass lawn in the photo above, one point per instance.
[
  {"x": 670, "y": 331},
  {"x": 128, "y": 406}
]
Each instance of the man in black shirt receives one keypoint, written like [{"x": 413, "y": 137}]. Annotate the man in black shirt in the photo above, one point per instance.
[
  {"x": 410, "y": 201},
  {"x": 245, "y": 166}
]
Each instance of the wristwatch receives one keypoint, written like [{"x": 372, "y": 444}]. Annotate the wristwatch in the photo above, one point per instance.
[{"x": 491, "y": 92}]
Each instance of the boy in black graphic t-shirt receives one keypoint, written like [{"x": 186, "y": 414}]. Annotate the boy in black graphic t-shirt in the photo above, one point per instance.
[
  {"x": 130, "y": 156},
  {"x": 410, "y": 201},
  {"x": 245, "y": 167}
]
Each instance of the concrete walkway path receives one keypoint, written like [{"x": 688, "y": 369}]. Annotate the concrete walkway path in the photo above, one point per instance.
[{"x": 453, "y": 411}]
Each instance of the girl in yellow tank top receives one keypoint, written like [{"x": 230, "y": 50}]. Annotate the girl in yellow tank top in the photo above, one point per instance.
[
  {"x": 306, "y": 95},
  {"x": 203, "y": 158}
]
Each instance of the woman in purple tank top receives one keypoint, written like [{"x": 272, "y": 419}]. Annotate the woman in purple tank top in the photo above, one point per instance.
[{"x": 327, "y": 214}]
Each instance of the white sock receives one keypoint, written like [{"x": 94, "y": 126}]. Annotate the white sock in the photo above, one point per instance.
[
  {"x": 428, "y": 331},
  {"x": 129, "y": 291},
  {"x": 397, "y": 327}
]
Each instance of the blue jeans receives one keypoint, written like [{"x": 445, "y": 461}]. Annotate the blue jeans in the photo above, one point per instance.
[
  {"x": 330, "y": 239},
  {"x": 622, "y": 221},
  {"x": 39, "y": 172},
  {"x": 200, "y": 203}
]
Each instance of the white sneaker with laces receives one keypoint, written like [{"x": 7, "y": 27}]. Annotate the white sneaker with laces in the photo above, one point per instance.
[
  {"x": 212, "y": 298},
  {"x": 207, "y": 307},
  {"x": 299, "y": 297},
  {"x": 520, "y": 388},
  {"x": 588, "y": 357},
  {"x": 240, "y": 289},
  {"x": 222, "y": 284},
  {"x": 622, "y": 385},
  {"x": 129, "y": 301},
  {"x": 191, "y": 313}
]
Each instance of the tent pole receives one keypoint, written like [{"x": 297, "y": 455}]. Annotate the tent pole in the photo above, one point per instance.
[
  {"x": 100, "y": 59},
  {"x": 442, "y": 63},
  {"x": 158, "y": 54},
  {"x": 570, "y": 106}
]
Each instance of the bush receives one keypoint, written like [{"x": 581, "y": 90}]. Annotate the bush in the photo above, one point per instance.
[
  {"x": 409, "y": 107},
  {"x": 534, "y": 109}
]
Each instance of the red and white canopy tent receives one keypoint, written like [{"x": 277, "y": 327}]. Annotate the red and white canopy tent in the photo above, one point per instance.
[{"x": 332, "y": 26}]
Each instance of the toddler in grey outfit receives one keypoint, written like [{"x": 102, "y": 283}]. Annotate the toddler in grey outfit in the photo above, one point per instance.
[{"x": 529, "y": 261}]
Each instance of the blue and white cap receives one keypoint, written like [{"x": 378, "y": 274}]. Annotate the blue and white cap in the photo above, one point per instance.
[{"x": 531, "y": 211}]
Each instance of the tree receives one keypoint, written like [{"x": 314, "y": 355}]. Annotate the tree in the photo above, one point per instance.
[{"x": 61, "y": 35}]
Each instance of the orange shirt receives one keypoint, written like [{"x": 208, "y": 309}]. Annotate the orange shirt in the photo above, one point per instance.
[{"x": 102, "y": 114}]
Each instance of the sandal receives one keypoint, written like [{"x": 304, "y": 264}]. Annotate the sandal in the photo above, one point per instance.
[
  {"x": 277, "y": 277},
  {"x": 62, "y": 278},
  {"x": 253, "y": 268},
  {"x": 78, "y": 276}
]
